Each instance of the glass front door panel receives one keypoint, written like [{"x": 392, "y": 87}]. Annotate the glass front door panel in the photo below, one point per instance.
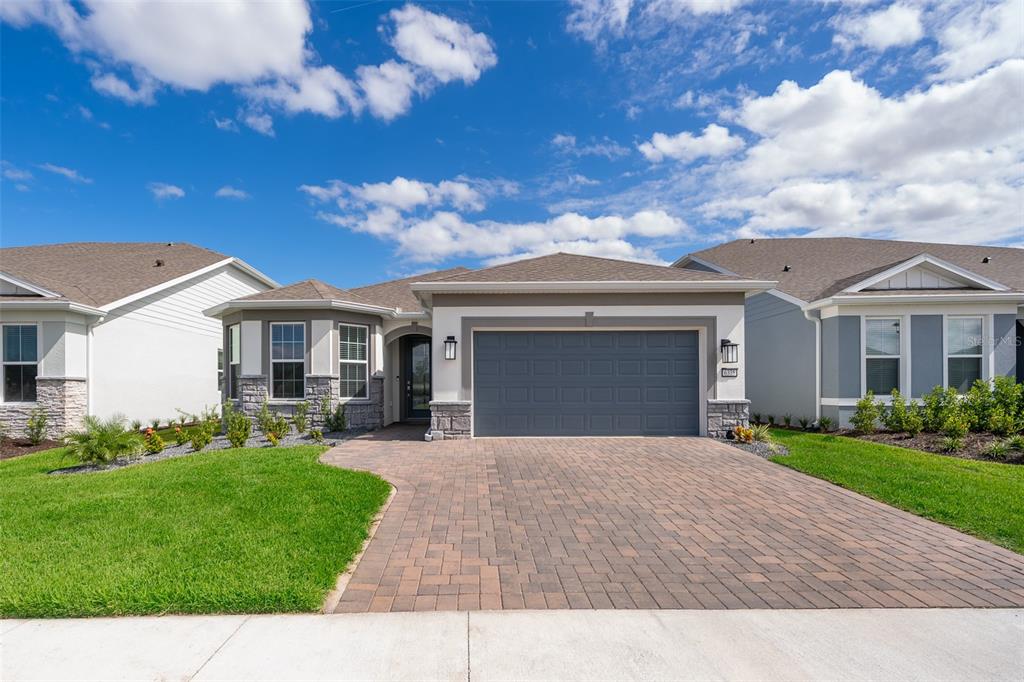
[{"x": 417, "y": 380}]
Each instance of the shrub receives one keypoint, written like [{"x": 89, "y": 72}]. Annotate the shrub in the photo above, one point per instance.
[
  {"x": 771, "y": 419},
  {"x": 804, "y": 422},
  {"x": 136, "y": 426},
  {"x": 277, "y": 428},
  {"x": 200, "y": 436},
  {"x": 743, "y": 434},
  {"x": 35, "y": 427},
  {"x": 787, "y": 419},
  {"x": 939, "y": 404},
  {"x": 1008, "y": 395},
  {"x": 264, "y": 419},
  {"x": 103, "y": 440},
  {"x": 1016, "y": 443},
  {"x": 336, "y": 420},
  {"x": 866, "y": 415},
  {"x": 761, "y": 433},
  {"x": 1000, "y": 422},
  {"x": 154, "y": 424},
  {"x": 237, "y": 426},
  {"x": 913, "y": 424},
  {"x": 301, "y": 416},
  {"x": 152, "y": 442},
  {"x": 895, "y": 418},
  {"x": 273, "y": 440},
  {"x": 317, "y": 435},
  {"x": 951, "y": 444},
  {"x": 997, "y": 450},
  {"x": 825, "y": 424},
  {"x": 955, "y": 426},
  {"x": 757, "y": 417},
  {"x": 977, "y": 405},
  {"x": 180, "y": 436}
]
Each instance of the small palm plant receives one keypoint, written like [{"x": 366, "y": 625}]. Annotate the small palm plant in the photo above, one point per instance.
[{"x": 103, "y": 440}]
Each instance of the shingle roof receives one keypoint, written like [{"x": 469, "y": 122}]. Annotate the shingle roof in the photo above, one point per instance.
[
  {"x": 308, "y": 290},
  {"x": 98, "y": 273},
  {"x": 821, "y": 267},
  {"x": 397, "y": 294},
  {"x": 567, "y": 267}
]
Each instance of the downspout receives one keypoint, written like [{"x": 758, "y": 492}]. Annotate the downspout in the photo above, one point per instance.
[{"x": 816, "y": 319}]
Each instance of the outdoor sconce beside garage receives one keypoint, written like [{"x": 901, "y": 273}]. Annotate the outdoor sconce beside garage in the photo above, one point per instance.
[
  {"x": 449, "y": 348},
  {"x": 730, "y": 351}
]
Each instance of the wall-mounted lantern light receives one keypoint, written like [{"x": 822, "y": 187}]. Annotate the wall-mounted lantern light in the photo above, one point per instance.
[
  {"x": 730, "y": 351},
  {"x": 449, "y": 348}
]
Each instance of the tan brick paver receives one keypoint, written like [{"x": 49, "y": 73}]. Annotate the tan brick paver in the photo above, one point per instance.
[{"x": 591, "y": 523}]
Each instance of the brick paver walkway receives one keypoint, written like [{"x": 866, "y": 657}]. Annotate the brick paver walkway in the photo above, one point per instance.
[{"x": 646, "y": 523}]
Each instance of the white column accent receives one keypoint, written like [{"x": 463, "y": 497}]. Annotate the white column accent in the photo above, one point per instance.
[
  {"x": 252, "y": 347},
  {"x": 320, "y": 347}
]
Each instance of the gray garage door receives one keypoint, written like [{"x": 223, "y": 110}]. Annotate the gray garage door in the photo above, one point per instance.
[{"x": 614, "y": 383}]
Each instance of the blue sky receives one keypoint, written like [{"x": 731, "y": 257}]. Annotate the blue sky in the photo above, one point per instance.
[{"x": 355, "y": 141}]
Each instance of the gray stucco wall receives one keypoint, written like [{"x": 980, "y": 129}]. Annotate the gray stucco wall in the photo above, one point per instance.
[
  {"x": 925, "y": 353},
  {"x": 780, "y": 358},
  {"x": 1005, "y": 339},
  {"x": 840, "y": 357}
]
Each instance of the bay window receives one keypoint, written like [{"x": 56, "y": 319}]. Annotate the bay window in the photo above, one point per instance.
[
  {"x": 964, "y": 343},
  {"x": 20, "y": 362},
  {"x": 881, "y": 354},
  {"x": 287, "y": 360},
  {"x": 353, "y": 347}
]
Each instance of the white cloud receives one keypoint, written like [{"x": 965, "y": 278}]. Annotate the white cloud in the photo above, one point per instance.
[
  {"x": 606, "y": 147},
  {"x": 258, "y": 120},
  {"x": 406, "y": 195},
  {"x": 12, "y": 172},
  {"x": 229, "y": 192},
  {"x": 715, "y": 141},
  {"x": 895, "y": 26},
  {"x": 445, "y": 48},
  {"x": 225, "y": 124},
  {"x": 162, "y": 190},
  {"x": 979, "y": 36},
  {"x": 597, "y": 20},
  {"x": 69, "y": 173},
  {"x": 388, "y": 88},
  {"x": 260, "y": 48}
]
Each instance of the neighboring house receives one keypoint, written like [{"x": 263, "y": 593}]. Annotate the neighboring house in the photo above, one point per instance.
[
  {"x": 108, "y": 328},
  {"x": 561, "y": 345},
  {"x": 852, "y": 315}
]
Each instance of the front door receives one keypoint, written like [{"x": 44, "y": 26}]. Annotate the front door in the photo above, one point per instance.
[{"x": 416, "y": 376}]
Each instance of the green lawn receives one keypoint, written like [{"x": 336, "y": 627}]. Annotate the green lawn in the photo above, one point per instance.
[
  {"x": 985, "y": 499},
  {"x": 235, "y": 531}
]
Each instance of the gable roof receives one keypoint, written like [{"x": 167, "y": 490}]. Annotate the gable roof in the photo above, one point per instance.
[
  {"x": 97, "y": 274},
  {"x": 307, "y": 290},
  {"x": 397, "y": 292},
  {"x": 569, "y": 267},
  {"x": 823, "y": 266}
]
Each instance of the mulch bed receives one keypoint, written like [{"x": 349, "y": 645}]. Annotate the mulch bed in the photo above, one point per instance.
[
  {"x": 10, "y": 447},
  {"x": 974, "y": 444}
]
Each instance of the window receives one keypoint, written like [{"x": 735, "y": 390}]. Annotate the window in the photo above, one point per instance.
[
  {"x": 353, "y": 348},
  {"x": 964, "y": 340},
  {"x": 21, "y": 362},
  {"x": 234, "y": 360},
  {"x": 287, "y": 360},
  {"x": 882, "y": 354}
]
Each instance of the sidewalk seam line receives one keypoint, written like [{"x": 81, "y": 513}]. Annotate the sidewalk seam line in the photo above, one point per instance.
[{"x": 217, "y": 650}]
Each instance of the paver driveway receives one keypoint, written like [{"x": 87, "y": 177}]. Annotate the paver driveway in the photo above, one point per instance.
[{"x": 645, "y": 523}]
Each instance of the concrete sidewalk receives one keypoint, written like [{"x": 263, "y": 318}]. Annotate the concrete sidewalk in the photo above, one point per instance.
[{"x": 890, "y": 644}]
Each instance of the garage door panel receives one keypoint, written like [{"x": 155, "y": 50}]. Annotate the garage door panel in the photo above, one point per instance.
[{"x": 586, "y": 383}]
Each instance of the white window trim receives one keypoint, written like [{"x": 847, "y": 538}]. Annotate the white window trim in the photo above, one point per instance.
[
  {"x": 38, "y": 363},
  {"x": 365, "y": 363},
  {"x": 903, "y": 357},
  {"x": 270, "y": 352},
  {"x": 987, "y": 322},
  {"x": 228, "y": 363}
]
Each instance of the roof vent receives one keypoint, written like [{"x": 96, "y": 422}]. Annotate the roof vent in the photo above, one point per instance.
[
  {"x": 786, "y": 268},
  {"x": 169, "y": 244},
  {"x": 752, "y": 241},
  {"x": 986, "y": 259},
  {"x": 159, "y": 263}
]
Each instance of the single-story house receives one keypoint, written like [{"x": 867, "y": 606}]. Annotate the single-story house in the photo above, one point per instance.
[
  {"x": 107, "y": 328},
  {"x": 560, "y": 345},
  {"x": 853, "y": 315}
]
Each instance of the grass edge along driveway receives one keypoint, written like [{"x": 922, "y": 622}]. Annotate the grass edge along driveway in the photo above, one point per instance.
[
  {"x": 984, "y": 499},
  {"x": 234, "y": 531}
]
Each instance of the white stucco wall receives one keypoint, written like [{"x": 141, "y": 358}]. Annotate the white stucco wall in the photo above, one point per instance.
[
  {"x": 447, "y": 321},
  {"x": 159, "y": 354}
]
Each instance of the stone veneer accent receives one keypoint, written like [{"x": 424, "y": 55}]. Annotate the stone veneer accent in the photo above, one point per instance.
[
  {"x": 253, "y": 391},
  {"x": 64, "y": 399},
  {"x": 725, "y": 415},
  {"x": 450, "y": 420},
  {"x": 367, "y": 415}
]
